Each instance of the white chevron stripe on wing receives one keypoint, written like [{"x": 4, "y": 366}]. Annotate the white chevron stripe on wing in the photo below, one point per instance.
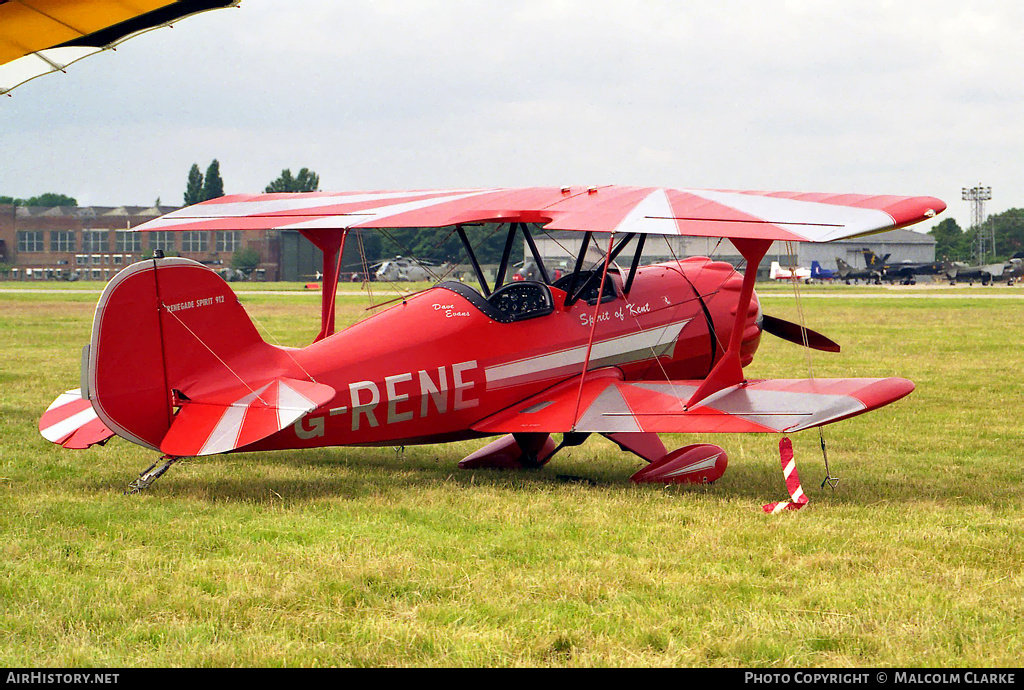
[
  {"x": 365, "y": 216},
  {"x": 705, "y": 464},
  {"x": 653, "y": 215},
  {"x": 299, "y": 202},
  {"x": 815, "y": 221}
]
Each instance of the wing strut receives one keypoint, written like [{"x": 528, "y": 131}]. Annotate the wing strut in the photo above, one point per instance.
[
  {"x": 332, "y": 244},
  {"x": 609, "y": 258},
  {"x": 536, "y": 254},
  {"x": 579, "y": 265},
  {"x": 506, "y": 254},
  {"x": 635, "y": 264},
  {"x": 729, "y": 372},
  {"x": 473, "y": 260}
]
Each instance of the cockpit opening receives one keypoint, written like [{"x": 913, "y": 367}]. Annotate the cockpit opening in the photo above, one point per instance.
[{"x": 510, "y": 303}]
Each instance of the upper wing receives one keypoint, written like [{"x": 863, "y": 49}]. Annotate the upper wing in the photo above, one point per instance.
[
  {"x": 607, "y": 404},
  {"x": 649, "y": 210},
  {"x": 44, "y": 36}
]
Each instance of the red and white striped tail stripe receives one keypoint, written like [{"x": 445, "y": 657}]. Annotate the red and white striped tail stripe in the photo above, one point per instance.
[
  {"x": 789, "y": 472},
  {"x": 70, "y": 421},
  {"x": 255, "y": 416}
]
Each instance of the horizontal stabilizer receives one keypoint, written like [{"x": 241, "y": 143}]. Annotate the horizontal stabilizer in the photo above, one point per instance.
[
  {"x": 605, "y": 403},
  {"x": 240, "y": 416},
  {"x": 70, "y": 421}
]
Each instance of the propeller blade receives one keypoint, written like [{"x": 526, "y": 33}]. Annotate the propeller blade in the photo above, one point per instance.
[{"x": 794, "y": 333}]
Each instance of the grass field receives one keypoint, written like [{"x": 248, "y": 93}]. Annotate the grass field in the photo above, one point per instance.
[{"x": 372, "y": 557}]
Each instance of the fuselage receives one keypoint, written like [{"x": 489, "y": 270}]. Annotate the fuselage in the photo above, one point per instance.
[{"x": 428, "y": 369}]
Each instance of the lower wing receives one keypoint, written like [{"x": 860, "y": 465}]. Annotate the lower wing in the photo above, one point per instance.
[{"x": 604, "y": 403}]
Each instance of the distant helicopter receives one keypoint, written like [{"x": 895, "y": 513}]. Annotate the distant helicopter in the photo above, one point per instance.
[{"x": 400, "y": 269}]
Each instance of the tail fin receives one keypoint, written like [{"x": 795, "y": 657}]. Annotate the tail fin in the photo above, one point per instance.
[
  {"x": 842, "y": 267},
  {"x": 170, "y": 335},
  {"x": 815, "y": 269},
  {"x": 774, "y": 270}
]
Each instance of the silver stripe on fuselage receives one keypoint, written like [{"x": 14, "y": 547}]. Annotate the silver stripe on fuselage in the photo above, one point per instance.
[{"x": 623, "y": 349}]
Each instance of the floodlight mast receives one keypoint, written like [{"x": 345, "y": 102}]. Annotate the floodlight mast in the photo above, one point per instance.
[{"x": 978, "y": 196}]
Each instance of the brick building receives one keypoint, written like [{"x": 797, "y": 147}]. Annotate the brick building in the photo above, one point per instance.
[{"x": 94, "y": 242}]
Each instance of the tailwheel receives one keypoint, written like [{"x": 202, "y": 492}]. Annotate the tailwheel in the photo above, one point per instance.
[{"x": 146, "y": 478}]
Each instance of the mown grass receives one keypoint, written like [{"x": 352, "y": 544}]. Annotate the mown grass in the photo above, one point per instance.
[{"x": 375, "y": 557}]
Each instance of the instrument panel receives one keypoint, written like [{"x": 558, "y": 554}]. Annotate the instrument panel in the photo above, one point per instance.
[{"x": 524, "y": 300}]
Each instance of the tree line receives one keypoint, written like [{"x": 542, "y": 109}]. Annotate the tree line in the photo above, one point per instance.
[
  {"x": 48, "y": 199},
  {"x": 200, "y": 187},
  {"x": 956, "y": 244}
]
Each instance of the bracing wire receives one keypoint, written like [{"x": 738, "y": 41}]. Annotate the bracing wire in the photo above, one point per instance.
[
  {"x": 829, "y": 479},
  {"x": 366, "y": 268},
  {"x": 226, "y": 365},
  {"x": 277, "y": 343}
]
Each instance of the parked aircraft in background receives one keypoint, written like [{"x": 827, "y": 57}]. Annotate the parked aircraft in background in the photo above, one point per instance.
[
  {"x": 1015, "y": 269},
  {"x": 848, "y": 273},
  {"x": 965, "y": 273},
  {"x": 777, "y": 272},
  {"x": 1011, "y": 271},
  {"x": 399, "y": 270},
  {"x": 903, "y": 271},
  {"x": 872, "y": 260},
  {"x": 819, "y": 273}
]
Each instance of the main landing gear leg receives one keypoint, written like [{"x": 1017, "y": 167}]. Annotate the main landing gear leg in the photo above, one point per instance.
[{"x": 151, "y": 475}]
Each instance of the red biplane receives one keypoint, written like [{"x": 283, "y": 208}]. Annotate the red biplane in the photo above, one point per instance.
[{"x": 176, "y": 365}]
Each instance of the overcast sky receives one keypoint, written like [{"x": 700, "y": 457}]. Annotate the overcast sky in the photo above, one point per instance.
[{"x": 866, "y": 96}]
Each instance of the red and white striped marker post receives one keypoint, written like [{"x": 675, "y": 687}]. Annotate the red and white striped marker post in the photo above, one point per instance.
[{"x": 789, "y": 472}]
